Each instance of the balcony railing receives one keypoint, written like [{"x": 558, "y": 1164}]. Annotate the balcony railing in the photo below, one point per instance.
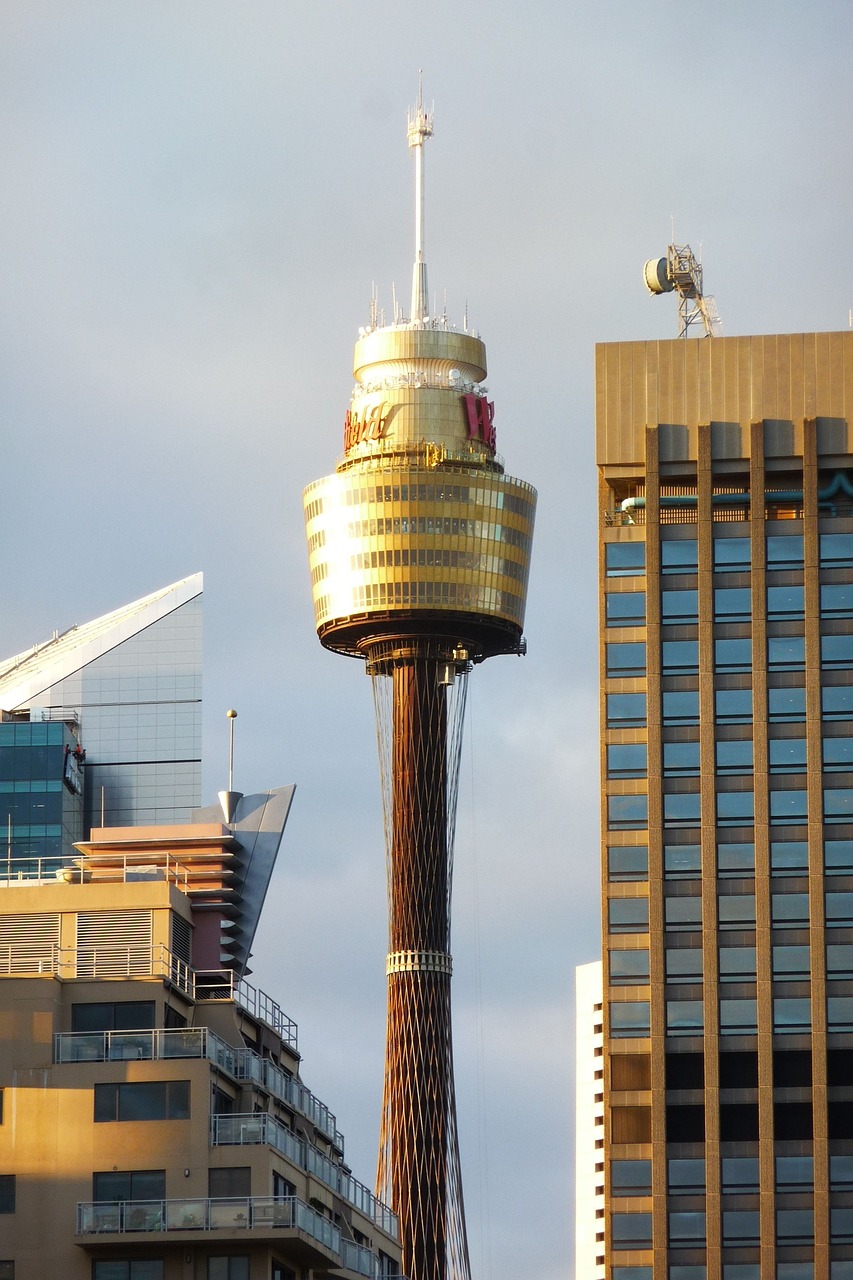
[
  {"x": 240, "y": 1213},
  {"x": 197, "y": 1042},
  {"x": 255, "y": 1129},
  {"x": 23, "y": 959}
]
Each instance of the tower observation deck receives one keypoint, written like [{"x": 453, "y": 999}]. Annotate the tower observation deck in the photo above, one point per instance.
[{"x": 419, "y": 548}]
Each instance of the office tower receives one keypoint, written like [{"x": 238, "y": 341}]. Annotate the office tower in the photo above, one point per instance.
[
  {"x": 153, "y": 1121},
  {"x": 419, "y": 550},
  {"x": 129, "y": 684},
  {"x": 726, "y": 508},
  {"x": 589, "y": 1123}
]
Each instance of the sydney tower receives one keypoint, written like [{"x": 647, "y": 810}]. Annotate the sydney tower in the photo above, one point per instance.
[{"x": 419, "y": 549}]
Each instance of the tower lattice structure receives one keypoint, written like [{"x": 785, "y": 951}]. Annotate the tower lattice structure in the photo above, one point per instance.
[{"x": 419, "y": 548}]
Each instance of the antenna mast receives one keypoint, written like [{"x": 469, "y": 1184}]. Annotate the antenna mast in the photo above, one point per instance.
[
  {"x": 419, "y": 129},
  {"x": 681, "y": 272}
]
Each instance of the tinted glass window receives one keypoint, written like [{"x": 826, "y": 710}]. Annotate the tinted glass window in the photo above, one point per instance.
[
  {"x": 681, "y": 757},
  {"x": 626, "y": 659},
  {"x": 681, "y": 809},
  {"x": 789, "y": 855},
  {"x": 839, "y": 907},
  {"x": 683, "y": 911},
  {"x": 629, "y": 1018},
  {"x": 686, "y": 1174},
  {"x": 626, "y": 709},
  {"x": 786, "y": 704},
  {"x": 683, "y": 962},
  {"x": 838, "y": 855},
  {"x": 629, "y": 966},
  {"x": 740, "y": 1172},
  {"x": 682, "y": 859},
  {"x": 836, "y": 651},
  {"x": 785, "y": 602},
  {"x": 737, "y": 962},
  {"x": 734, "y": 757},
  {"x": 787, "y": 907},
  {"x": 732, "y": 602},
  {"x": 838, "y": 804},
  {"x": 836, "y": 548},
  {"x": 631, "y": 1177},
  {"x": 625, "y": 609},
  {"x": 735, "y": 857},
  {"x": 735, "y": 808},
  {"x": 628, "y": 862},
  {"x": 627, "y": 813},
  {"x": 794, "y": 1171},
  {"x": 786, "y": 653},
  {"x": 680, "y": 655},
  {"x": 837, "y": 701},
  {"x": 731, "y": 553},
  {"x": 680, "y": 708},
  {"x": 629, "y": 915},
  {"x": 678, "y": 555},
  {"x": 787, "y": 755},
  {"x": 737, "y": 909},
  {"x": 784, "y": 551},
  {"x": 838, "y": 753},
  {"x": 788, "y": 961},
  {"x": 836, "y": 598},
  {"x": 733, "y": 706},
  {"x": 626, "y": 760},
  {"x": 679, "y": 606},
  {"x": 624, "y": 559},
  {"x": 684, "y": 1015},
  {"x": 733, "y": 655},
  {"x": 788, "y": 806},
  {"x": 793, "y": 1013}
]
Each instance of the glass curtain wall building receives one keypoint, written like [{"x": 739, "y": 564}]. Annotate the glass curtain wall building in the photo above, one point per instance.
[
  {"x": 726, "y": 571},
  {"x": 130, "y": 682}
]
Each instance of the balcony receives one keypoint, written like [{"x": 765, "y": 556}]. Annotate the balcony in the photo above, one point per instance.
[
  {"x": 254, "y": 1130},
  {"x": 198, "y": 1042},
  {"x": 26, "y": 960},
  {"x": 262, "y": 1216}
]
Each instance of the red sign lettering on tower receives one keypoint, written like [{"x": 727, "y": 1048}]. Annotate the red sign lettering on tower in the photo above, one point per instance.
[{"x": 481, "y": 418}]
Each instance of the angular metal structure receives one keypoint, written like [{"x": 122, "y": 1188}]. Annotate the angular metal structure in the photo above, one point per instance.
[{"x": 419, "y": 550}]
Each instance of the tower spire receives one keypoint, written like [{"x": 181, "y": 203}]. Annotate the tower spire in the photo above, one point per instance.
[{"x": 419, "y": 129}]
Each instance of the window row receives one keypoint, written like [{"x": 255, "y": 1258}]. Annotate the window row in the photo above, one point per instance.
[
  {"x": 631, "y": 915},
  {"x": 733, "y": 808},
  {"x": 731, "y": 604},
  {"x": 684, "y": 861},
  {"x": 785, "y": 755},
  {"x": 681, "y": 657},
  {"x": 731, "y": 706},
  {"x": 680, "y": 555}
]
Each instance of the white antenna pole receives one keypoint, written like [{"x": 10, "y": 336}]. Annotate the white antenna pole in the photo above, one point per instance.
[
  {"x": 232, "y": 716},
  {"x": 419, "y": 129}
]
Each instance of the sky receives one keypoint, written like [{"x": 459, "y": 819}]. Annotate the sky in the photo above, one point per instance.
[{"x": 197, "y": 198}]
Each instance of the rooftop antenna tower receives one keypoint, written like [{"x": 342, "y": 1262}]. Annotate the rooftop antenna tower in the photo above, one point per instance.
[
  {"x": 419, "y": 548},
  {"x": 681, "y": 272}
]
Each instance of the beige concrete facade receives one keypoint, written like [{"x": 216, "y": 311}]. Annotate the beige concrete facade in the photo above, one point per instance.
[
  {"x": 726, "y": 552},
  {"x": 154, "y": 1122}
]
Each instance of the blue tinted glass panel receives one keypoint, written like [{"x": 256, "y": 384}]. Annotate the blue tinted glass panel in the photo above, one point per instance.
[
  {"x": 740, "y": 1224},
  {"x": 787, "y": 907},
  {"x": 837, "y": 701},
  {"x": 791, "y": 962},
  {"x": 786, "y": 704},
  {"x": 739, "y": 1172},
  {"x": 836, "y": 548},
  {"x": 787, "y": 755},
  {"x": 625, "y": 608},
  {"x": 631, "y": 1177},
  {"x": 629, "y": 915},
  {"x": 784, "y": 551},
  {"x": 733, "y": 655},
  {"x": 682, "y": 859},
  {"x": 681, "y": 810},
  {"x": 836, "y": 598},
  {"x": 683, "y": 911},
  {"x": 731, "y": 554},
  {"x": 836, "y": 651},
  {"x": 785, "y": 602},
  {"x": 624, "y": 559},
  {"x": 737, "y": 963},
  {"x": 736, "y": 909},
  {"x": 626, "y": 710},
  {"x": 628, "y": 659},
  {"x": 629, "y": 967},
  {"x": 786, "y": 653},
  {"x": 680, "y": 655},
  {"x": 794, "y": 1171},
  {"x": 684, "y": 1015},
  {"x": 788, "y": 806},
  {"x": 838, "y": 805},
  {"x": 627, "y": 813},
  {"x": 732, "y": 603},
  {"x": 679, "y": 606},
  {"x": 678, "y": 555},
  {"x": 839, "y": 907},
  {"x": 792, "y": 1014},
  {"x": 738, "y": 1015},
  {"x": 632, "y": 1273},
  {"x": 733, "y": 706},
  {"x": 735, "y": 807},
  {"x": 734, "y": 757},
  {"x": 686, "y": 1175},
  {"x": 839, "y": 1013},
  {"x": 681, "y": 758},
  {"x": 683, "y": 962},
  {"x": 629, "y": 1018},
  {"x": 680, "y": 708},
  {"x": 735, "y": 857},
  {"x": 838, "y": 855},
  {"x": 838, "y": 753},
  {"x": 626, "y": 760},
  {"x": 628, "y": 862},
  {"x": 687, "y": 1226}
]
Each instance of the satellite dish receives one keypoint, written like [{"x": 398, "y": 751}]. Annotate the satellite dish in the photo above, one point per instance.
[{"x": 656, "y": 277}]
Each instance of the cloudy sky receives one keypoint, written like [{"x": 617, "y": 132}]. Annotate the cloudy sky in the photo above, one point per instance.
[{"x": 196, "y": 198}]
